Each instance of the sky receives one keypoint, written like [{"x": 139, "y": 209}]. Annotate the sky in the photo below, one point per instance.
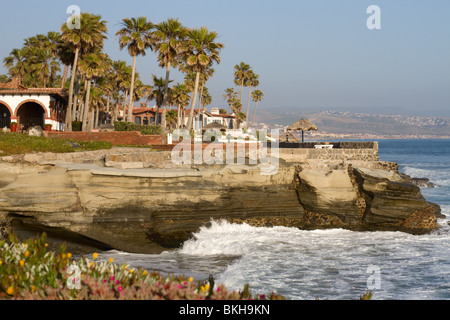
[{"x": 316, "y": 54}]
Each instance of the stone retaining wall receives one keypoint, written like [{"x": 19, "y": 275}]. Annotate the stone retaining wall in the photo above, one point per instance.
[
  {"x": 116, "y": 138},
  {"x": 342, "y": 154}
]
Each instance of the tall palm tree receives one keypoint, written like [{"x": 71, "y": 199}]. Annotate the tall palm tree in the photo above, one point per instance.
[
  {"x": 91, "y": 66},
  {"x": 121, "y": 73},
  {"x": 240, "y": 76},
  {"x": 201, "y": 52},
  {"x": 136, "y": 36},
  {"x": 252, "y": 81},
  {"x": 91, "y": 34},
  {"x": 169, "y": 35},
  {"x": 258, "y": 96}
]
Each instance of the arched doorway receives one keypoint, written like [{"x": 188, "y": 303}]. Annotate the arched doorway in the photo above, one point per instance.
[
  {"x": 5, "y": 116},
  {"x": 30, "y": 114}
]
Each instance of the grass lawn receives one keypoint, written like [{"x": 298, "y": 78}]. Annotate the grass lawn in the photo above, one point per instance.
[{"x": 17, "y": 143}]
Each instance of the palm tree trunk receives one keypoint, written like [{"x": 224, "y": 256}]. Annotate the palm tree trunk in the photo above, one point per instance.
[
  {"x": 125, "y": 116},
  {"x": 97, "y": 112},
  {"x": 254, "y": 114},
  {"x": 183, "y": 117},
  {"x": 115, "y": 112},
  {"x": 165, "y": 99},
  {"x": 194, "y": 102},
  {"x": 241, "y": 90},
  {"x": 86, "y": 108},
  {"x": 178, "y": 117},
  {"x": 107, "y": 108},
  {"x": 72, "y": 82},
  {"x": 248, "y": 106},
  {"x": 76, "y": 117},
  {"x": 130, "y": 108},
  {"x": 64, "y": 78}
]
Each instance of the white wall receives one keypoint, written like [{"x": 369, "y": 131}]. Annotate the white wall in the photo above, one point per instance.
[{"x": 13, "y": 101}]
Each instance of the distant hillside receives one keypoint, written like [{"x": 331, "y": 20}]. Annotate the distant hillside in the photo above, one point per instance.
[{"x": 362, "y": 123}]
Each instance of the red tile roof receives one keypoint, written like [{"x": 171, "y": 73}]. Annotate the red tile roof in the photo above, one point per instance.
[{"x": 14, "y": 87}]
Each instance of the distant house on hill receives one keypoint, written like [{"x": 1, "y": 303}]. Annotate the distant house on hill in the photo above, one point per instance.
[{"x": 31, "y": 106}]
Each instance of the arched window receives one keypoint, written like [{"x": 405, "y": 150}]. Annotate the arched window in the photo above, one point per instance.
[{"x": 137, "y": 120}]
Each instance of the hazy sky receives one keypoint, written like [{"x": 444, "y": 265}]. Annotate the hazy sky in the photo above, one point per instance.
[{"x": 315, "y": 54}]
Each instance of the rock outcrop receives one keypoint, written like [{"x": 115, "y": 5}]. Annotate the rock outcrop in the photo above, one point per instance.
[{"x": 148, "y": 210}]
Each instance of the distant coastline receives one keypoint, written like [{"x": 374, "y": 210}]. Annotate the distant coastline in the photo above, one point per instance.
[{"x": 362, "y": 136}]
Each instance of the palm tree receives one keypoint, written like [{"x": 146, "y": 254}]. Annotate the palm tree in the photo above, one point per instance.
[
  {"x": 181, "y": 99},
  {"x": 4, "y": 78},
  {"x": 169, "y": 35},
  {"x": 91, "y": 66},
  {"x": 16, "y": 63},
  {"x": 230, "y": 95},
  {"x": 258, "y": 96},
  {"x": 200, "y": 53},
  {"x": 252, "y": 81},
  {"x": 52, "y": 45},
  {"x": 91, "y": 34},
  {"x": 97, "y": 101},
  {"x": 157, "y": 94},
  {"x": 240, "y": 117},
  {"x": 136, "y": 36},
  {"x": 240, "y": 76},
  {"x": 121, "y": 73}
]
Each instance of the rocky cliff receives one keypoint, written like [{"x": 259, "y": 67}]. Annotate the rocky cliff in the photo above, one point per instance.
[{"x": 154, "y": 205}]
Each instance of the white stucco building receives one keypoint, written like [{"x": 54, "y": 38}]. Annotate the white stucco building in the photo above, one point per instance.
[{"x": 32, "y": 106}]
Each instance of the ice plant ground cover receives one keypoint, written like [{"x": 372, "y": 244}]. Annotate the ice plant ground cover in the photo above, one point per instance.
[
  {"x": 17, "y": 143},
  {"x": 29, "y": 271}
]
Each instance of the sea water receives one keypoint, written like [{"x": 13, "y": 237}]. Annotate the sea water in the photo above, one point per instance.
[{"x": 327, "y": 264}]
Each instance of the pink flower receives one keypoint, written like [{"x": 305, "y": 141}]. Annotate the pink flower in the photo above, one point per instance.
[
  {"x": 112, "y": 278},
  {"x": 117, "y": 282},
  {"x": 179, "y": 286},
  {"x": 104, "y": 280},
  {"x": 119, "y": 288}
]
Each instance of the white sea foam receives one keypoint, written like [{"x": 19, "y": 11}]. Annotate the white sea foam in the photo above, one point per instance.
[
  {"x": 328, "y": 264},
  {"x": 440, "y": 177}
]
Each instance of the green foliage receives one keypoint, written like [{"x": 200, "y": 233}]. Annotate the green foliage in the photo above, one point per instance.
[
  {"x": 144, "y": 129},
  {"x": 77, "y": 126},
  {"x": 17, "y": 143},
  {"x": 28, "y": 271}
]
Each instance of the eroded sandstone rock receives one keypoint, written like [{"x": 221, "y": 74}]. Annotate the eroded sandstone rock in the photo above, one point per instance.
[{"x": 149, "y": 210}]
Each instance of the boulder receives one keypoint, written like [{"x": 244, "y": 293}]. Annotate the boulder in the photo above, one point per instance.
[
  {"x": 35, "y": 131},
  {"x": 393, "y": 201}
]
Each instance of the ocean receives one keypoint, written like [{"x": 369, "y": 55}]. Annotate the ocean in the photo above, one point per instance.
[{"x": 327, "y": 264}]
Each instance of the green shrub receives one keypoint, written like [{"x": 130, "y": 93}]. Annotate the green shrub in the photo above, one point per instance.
[
  {"x": 77, "y": 126},
  {"x": 144, "y": 129}
]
